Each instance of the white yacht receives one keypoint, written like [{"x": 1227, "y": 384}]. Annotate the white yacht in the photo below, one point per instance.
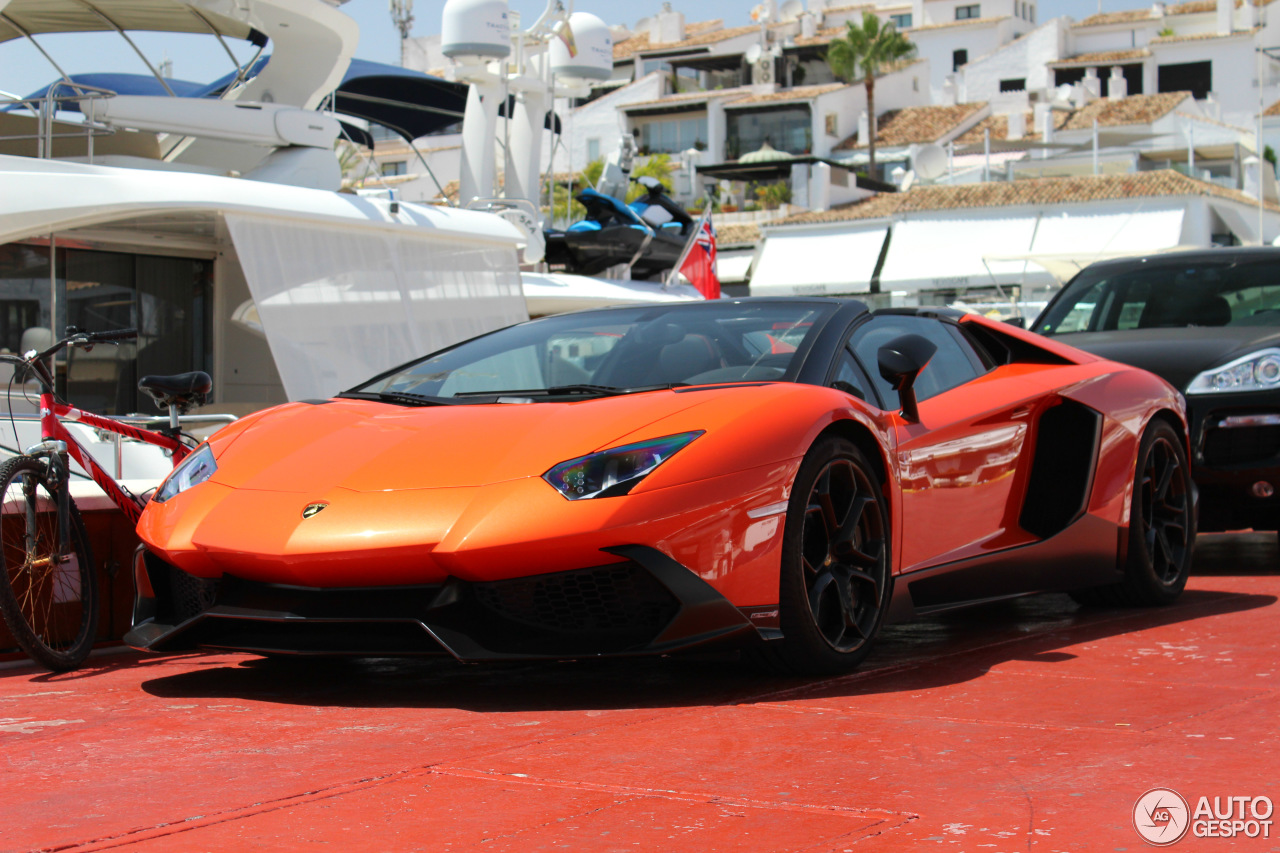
[{"x": 215, "y": 226}]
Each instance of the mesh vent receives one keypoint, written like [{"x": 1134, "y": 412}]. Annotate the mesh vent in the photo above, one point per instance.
[
  {"x": 1242, "y": 445},
  {"x": 617, "y": 599},
  {"x": 189, "y": 595}
]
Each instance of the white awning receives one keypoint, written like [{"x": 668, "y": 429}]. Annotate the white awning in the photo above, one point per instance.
[
  {"x": 939, "y": 252},
  {"x": 816, "y": 262},
  {"x": 734, "y": 267},
  {"x": 1108, "y": 234}
]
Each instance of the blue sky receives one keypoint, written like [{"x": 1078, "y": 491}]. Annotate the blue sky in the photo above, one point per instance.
[{"x": 25, "y": 71}]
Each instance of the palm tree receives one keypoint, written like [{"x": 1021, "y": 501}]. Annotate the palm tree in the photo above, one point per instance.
[{"x": 864, "y": 52}]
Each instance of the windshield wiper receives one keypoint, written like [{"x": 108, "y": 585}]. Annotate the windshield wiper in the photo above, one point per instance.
[
  {"x": 571, "y": 390},
  {"x": 405, "y": 398}
]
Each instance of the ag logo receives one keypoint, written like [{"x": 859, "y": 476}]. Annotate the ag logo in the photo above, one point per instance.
[
  {"x": 1161, "y": 816},
  {"x": 313, "y": 509}
]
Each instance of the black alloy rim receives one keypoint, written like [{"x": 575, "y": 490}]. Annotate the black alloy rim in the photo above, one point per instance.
[
  {"x": 1165, "y": 510},
  {"x": 844, "y": 555}
]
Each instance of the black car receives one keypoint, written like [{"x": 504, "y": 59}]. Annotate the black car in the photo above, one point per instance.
[{"x": 1208, "y": 322}]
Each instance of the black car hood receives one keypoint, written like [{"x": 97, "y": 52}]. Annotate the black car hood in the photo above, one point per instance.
[{"x": 1176, "y": 355}]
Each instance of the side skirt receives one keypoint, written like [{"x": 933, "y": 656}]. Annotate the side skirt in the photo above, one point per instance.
[{"x": 1083, "y": 555}]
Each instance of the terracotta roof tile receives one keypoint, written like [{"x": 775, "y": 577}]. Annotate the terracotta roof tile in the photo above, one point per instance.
[
  {"x": 999, "y": 127},
  {"x": 1032, "y": 191},
  {"x": 915, "y": 124},
  {"x": 737, "y": 234},
  {"x": 799, "y": 93},
  {"x": 1125, "y": 17},
  {"x": 1273, "y": 110},
  {"x": 822, "y": 36},
  {"x": 1202, "y": 36},
  {"x": 1195, "y": 7},
  {"x": 639, "y": 43},
  {"x": 1135, "y": 109},
  {"x": 1106, "y": 57}
]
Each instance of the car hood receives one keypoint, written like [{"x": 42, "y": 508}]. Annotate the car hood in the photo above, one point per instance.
[
  {"x": 370, "y": 446},
  {"x": 1175, "y": 355}
]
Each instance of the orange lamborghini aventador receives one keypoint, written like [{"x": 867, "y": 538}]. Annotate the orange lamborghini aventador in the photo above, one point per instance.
[{"x": 783, "y": 475}]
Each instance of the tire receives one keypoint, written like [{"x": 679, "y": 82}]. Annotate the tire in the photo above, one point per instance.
[
  {"x": 1162, "y": 526},
  {"x": 835, "y": 582},
  {"x": 50, "y": 605}
]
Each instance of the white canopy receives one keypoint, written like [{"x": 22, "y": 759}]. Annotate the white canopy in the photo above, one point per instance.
[
  {"x": 941, "y": 252},
  {"x": 62, "y": 16},
  {"x": 808, "y": 262},
  {"x": 1067, "y": 243}
]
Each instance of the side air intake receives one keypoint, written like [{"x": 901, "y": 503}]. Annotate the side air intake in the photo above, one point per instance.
[{"x": 1066, "y": 453}]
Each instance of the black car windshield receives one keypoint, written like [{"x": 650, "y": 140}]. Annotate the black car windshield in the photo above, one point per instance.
[
  {"x": 614, "y": 351},
  {"x": 1170, "y": 294}
]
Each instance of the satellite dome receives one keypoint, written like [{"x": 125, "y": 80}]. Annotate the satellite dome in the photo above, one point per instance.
[
  {"x": 475, "y": 29},
  {"x": 583, "y": 50}
]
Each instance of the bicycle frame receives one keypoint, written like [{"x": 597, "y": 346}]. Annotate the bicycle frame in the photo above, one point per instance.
[{"x": 53, "y": 413}]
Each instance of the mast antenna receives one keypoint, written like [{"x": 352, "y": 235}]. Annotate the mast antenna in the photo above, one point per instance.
[{"x": 402, "y": 15}]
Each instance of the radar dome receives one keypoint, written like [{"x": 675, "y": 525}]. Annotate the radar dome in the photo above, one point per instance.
[
  {"x": 475, "y": 29},
  {"x": 583, "y": 50}
]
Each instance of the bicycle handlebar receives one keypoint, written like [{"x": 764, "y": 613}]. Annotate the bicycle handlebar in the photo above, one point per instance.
[
  {"x": 115, "y": 335},
  {"x": 77, "y": 338}
]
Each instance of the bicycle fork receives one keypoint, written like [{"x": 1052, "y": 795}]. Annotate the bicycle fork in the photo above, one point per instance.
[{"x": 59, "y": 481}]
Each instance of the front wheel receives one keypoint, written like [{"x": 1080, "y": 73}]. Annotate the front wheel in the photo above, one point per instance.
[
  {"x": 49, "y": 597},
  {"x": 1162, "y": 526},
  {"x": 836, "y": 580}
]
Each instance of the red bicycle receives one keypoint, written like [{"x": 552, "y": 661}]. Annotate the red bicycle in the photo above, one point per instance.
[{"x": 49, "y": 598}]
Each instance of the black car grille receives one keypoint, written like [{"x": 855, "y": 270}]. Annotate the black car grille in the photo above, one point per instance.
[
  {"x": 618, "y": 599},
  {"x": 1241, "y": 445}
]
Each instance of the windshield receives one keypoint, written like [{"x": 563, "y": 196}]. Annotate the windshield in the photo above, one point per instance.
[
  {"x": 616, "y": 351},
  {"x": 1168, "y": 294}
]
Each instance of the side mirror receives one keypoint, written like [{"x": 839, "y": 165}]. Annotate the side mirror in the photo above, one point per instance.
[
  {"x": 1019, "y": 321},
  {"x": 901, "y": 361}
]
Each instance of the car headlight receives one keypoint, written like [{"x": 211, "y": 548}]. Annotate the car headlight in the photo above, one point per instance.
[
  {"x": 1258, "y": 371},
  {"x": 615, "y": 471},
  {"x": 192, "y": 471}
]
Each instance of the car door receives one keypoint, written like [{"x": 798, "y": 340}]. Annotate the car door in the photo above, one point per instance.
[{"x": 960, "y": 466}]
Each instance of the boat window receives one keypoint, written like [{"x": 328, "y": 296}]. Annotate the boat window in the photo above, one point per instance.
[
  {"x": 620, "y": 349},
  {"x": 1168, "y": 294},
  {"x": 166, "y": 299}
]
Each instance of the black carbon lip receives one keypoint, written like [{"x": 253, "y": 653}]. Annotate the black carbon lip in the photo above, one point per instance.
[{"x": 452, "y": 618}]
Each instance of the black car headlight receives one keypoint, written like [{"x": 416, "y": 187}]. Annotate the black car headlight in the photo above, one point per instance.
[
  {"x": 616, "y": 471},
  {"x": 1258, "y": 371},
  {"x": 192, "y": 471}
]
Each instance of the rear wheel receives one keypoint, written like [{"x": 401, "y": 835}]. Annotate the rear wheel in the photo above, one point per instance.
[
  {"x": 835, "y": 580},
  {"x": 1161, "y": 526},
  {"x": 49, "y": 595}
]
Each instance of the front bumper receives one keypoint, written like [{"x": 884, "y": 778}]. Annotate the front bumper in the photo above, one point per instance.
[
  {"x": 1236, "y": 445},
  {"x": 646, "y": 604}
]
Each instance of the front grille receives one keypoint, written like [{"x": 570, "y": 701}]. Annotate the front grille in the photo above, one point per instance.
[
  {"x": 1241, "y": 445},
  {"x": 618, "y": 599},
  {"x": 190, "y": 595}
]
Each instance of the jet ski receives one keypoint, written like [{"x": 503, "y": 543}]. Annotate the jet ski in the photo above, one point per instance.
[{"x": 650, "y": 233}]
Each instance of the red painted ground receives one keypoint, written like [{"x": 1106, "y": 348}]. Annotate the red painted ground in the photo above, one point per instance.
[{"x": 1028, "y": 726}]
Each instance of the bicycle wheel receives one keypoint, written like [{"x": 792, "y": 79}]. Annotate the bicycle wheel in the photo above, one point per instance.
[{"x": 49, "y": 598}]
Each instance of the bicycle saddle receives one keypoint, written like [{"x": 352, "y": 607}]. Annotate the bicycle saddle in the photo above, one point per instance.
[{"x": 184, "y": 390}]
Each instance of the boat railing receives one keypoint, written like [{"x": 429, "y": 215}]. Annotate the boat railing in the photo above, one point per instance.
[{"x": 46, "y": 109}]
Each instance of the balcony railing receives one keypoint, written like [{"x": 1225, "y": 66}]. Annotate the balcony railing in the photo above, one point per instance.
[{"x": 45, "y": 110}]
